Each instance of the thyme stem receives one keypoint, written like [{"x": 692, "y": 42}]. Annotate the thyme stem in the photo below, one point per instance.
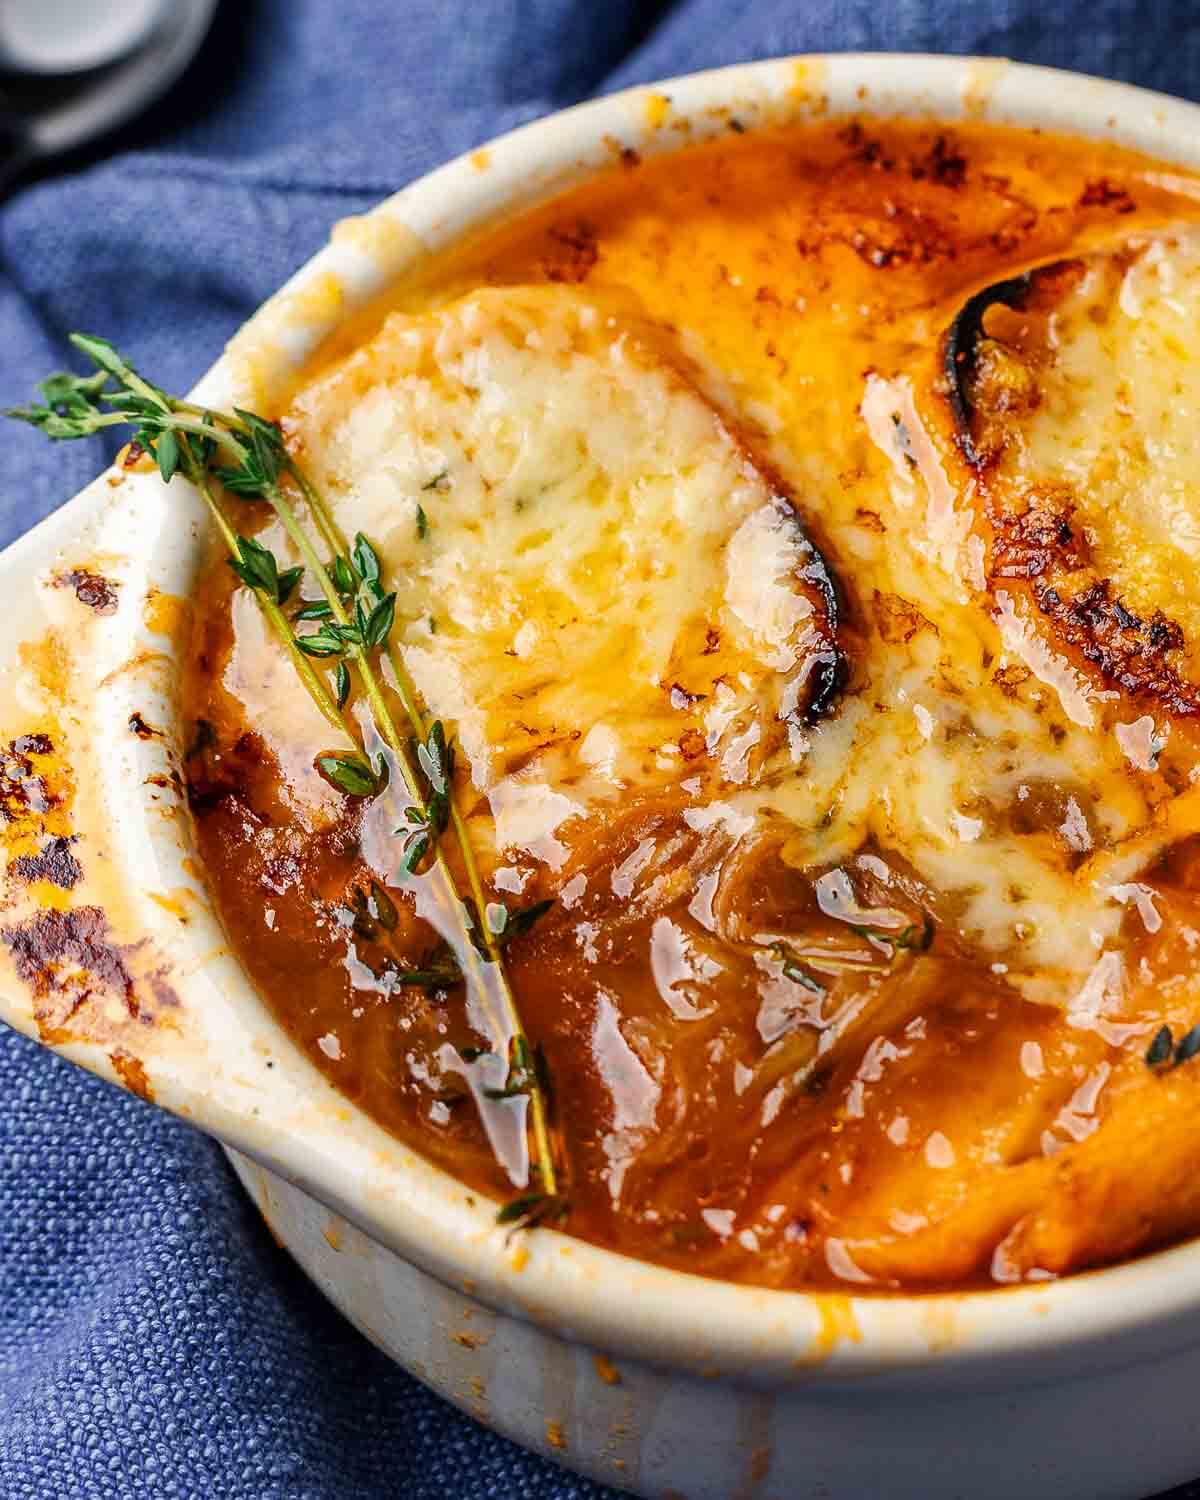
[
  {"x": 379, "y": 706},
  {"x": 406, "y": 691}
]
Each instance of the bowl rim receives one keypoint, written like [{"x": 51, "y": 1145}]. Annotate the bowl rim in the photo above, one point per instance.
[{"x": 584, "y": 1292}]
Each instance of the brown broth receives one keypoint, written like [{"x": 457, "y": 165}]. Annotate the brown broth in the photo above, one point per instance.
[{"x": 704, "y": 1126}]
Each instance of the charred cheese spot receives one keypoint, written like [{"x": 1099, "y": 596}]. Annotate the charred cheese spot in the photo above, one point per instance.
[{"x": 1073, "y": 390}]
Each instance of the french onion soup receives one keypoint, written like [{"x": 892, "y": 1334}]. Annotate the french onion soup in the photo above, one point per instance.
[{"x": 774, "y": 850}]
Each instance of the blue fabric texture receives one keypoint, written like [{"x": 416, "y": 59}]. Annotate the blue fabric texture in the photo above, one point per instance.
[{"x": 153, "y": 1340}]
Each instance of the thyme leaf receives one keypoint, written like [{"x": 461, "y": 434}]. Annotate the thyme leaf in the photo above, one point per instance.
[
  {"x": 378, "y": 625},
  {"x": 439, "y": 970},
  {"x": 794, "y": 970},
  {"x": 1164, "y": 1050},
  {"x": 322, "y": 643},
  {"x": 104, "y": 355},
  {"x": 288, "y": 580},
  {"x": 366, "y": 561},
  {"x": 349, "y": 773},
  {"x": 166, "y": 451},
  {"x": 531, "y": 1209},
  {"x": 69, "y": 403},
  {"x": 263, "y": 459},
  {"x": 343, "y": 578},
  {"x": 436, "y": 757},
  {"x": 915, "y": 938},
  {"x": 427, "y": 821},
  {"x": 1187, "y": 1046},
  {"x": 415, "y": 849},
  {"x": 1160, "y": 1048},
  {"x": 315, "y": 609},
  {"x": 523, "y": 1073},
  {"x": 382, "y": 907},
  {"x": 518, "y": 922},
  {"x": 256, "y": 566}
]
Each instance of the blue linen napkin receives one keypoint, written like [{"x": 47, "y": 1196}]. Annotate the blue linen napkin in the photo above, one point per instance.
[{"x": 153, "y": 1340}]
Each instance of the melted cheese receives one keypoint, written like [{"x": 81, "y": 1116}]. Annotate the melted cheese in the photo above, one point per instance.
[
  {"x": 564, "y": 511},
  {"x": 590, "y": 521}
]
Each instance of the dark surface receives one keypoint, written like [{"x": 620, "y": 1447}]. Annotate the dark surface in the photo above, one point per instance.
[
  {"x": 44, "y": 115},
  {"x": 153, "y": 1341}
]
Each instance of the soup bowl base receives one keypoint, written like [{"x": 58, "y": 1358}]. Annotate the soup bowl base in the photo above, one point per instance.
[{"x": 663, "y": 1435}]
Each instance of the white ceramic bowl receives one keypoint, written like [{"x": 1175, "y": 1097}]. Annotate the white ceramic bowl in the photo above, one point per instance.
[{"x": 660, "y": 1382}]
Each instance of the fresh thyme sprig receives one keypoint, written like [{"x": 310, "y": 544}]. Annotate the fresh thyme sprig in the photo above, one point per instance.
[
  {"x": 349, "y": 570},
  {"x": 246, "y": 456}
]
